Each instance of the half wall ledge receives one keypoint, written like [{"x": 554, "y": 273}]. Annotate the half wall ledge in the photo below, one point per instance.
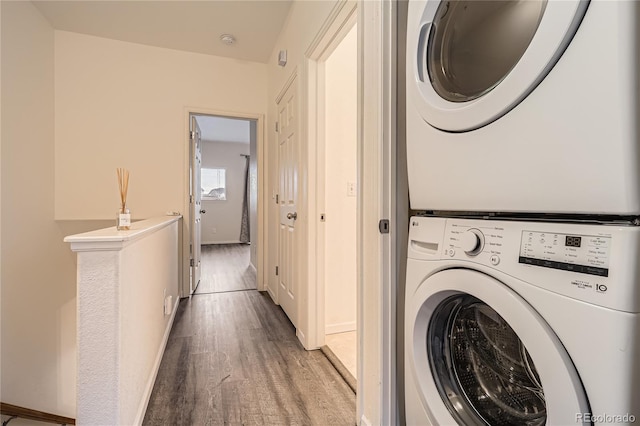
[{"x": 127, "y": 294}]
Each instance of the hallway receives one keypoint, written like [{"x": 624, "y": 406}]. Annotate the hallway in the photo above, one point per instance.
[
  {"x": 225, "y": 267},
  {"x": 233, "y": 358}
]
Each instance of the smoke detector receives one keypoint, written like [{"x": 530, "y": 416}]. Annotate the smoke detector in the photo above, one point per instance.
[{"x": 227, "y": 39}]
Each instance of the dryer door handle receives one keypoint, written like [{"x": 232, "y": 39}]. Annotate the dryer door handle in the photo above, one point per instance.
[{"x": 421, "y": 54}]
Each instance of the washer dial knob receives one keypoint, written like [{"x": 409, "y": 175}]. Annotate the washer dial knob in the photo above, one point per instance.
[{"x": 472, "y": 242}]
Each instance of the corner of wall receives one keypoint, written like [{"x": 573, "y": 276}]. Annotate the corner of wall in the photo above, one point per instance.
[{"x": 38, "y": 271}]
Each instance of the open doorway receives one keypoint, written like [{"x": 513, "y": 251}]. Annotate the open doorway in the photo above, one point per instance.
[
  {"x": 340, "y": 202},
  {"x": 332, "y": 81},
  {"x": 225, "y": 220}
]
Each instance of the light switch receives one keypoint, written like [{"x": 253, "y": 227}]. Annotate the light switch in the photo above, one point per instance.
[
  {"x": 168, "y": 305},
  {"x": 351, "y": 189}
]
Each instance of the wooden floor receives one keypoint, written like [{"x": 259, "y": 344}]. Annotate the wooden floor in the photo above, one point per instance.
[
  {"x": 225, "y": 267},
  {"x": 233, "y": 358}
]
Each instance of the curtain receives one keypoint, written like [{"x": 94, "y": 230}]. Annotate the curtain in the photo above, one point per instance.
[{"x": 244, "y": 226}]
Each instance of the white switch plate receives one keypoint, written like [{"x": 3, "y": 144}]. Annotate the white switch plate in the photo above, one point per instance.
[
  {"x": 168, "y": 305},
  {"x": 351, "y": 189}
]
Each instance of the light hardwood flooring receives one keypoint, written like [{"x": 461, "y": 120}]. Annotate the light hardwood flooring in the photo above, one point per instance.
[
  {"x": 225, "y": 267},
  {"x": 233, "y": 358}
]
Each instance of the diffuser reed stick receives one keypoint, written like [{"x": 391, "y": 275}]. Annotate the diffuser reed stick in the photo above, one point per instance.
[
  {"x": 123, "y": 184},
  {"x": 124, "y": 217}
]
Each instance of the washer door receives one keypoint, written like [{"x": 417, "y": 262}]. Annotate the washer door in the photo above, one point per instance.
[
  {"x": 471, "y": 61},
  {"x": 483, "y": 356}
]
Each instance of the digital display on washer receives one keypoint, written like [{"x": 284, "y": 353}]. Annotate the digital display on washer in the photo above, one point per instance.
[
  {"x": 586, "y": 254},
  {"x": 572, "y": 241}
]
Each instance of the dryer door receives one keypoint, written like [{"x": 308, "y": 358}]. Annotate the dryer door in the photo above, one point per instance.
[
  {"x": 483, "y": 356},
  {"x": 471, "y": 61}
]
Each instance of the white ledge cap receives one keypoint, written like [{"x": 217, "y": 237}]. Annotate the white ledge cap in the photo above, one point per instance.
[{"x": 112, "y": 239}]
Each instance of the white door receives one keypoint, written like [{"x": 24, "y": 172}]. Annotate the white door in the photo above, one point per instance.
[
  {"x": 480, "y": 354},
  {"x": 195, "y": 205},
  {"x": 288, "y": 195}
]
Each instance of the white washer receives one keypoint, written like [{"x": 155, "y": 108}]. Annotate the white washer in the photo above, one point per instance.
[
  {"x": 526, "y": 323},
  {"x": 524, "y": 106}
]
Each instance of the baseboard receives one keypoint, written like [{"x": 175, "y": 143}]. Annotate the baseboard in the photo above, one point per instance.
[
  {"x": 341, "y": 327},
  {"x": 206, "y": 243},
  {"x": 364, "y": 421},
  {"x": 302, "y": 338},
  {"x": 272, "y": 295},
  {"x": 156, "y": 367}
]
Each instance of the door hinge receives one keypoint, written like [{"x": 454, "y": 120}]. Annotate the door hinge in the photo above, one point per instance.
[
  {"x": 192, "y": 135},
  {"x": 383, "y": 226},
  {"x": 277, "y": 199},
  {"x": 277, "y": 270},
  {"x": 191, "y": 263},
  {"x": 277, "y": 127},
  {"x": 191, "y": 199}
]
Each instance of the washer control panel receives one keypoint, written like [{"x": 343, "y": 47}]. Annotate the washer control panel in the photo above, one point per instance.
[
  {"x": 472, "y": 241},
  {"x": 587, "y": 254},
  {"x": 588, "y": 262}
]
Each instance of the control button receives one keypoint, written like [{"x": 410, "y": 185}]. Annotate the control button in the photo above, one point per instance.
[
  {"x": 472, "y": 242},
  {"x": 452, "y": 252},
  {"x": 495, "y": 259}
]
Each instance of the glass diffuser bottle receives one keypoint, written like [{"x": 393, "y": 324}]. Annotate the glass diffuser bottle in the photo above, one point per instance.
[{"x": 124, "y": 219}]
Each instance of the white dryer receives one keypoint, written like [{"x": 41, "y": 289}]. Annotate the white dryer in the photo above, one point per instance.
[
  {"x": 525, "y": 323},
  {"x": 524, "y": 106}
]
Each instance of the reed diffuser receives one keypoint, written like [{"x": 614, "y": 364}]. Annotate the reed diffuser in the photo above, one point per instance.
[{"x": 124, "y": 216}]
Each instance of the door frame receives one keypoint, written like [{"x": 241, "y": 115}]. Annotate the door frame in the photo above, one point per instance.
[
  {"x": 376, "y": 399},
  {"x": 260, "y": 234},
  {"x": 337, "y": 26}
]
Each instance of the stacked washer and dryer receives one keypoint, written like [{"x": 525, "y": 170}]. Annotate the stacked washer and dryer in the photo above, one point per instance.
[{"x": 523, "y": 281}]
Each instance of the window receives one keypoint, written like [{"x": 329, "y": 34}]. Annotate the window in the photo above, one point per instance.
[{"x": 213, "y": 183}]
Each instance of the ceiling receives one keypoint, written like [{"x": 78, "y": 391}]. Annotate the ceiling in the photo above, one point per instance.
[
  {"x": 222, "y": 129},
  {"x": 193, "y": 26}
]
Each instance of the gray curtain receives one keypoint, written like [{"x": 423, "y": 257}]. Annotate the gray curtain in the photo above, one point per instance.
[{"x": 244, "y": 226}]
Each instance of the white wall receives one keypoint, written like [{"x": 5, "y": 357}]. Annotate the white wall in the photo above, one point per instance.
[
  {"x": 149, "y": 267},
  {"x": 121, "y": 104},
  {"x": 221, "y": 222},
  {"x": 38, "y": 269},
  {"x": 341, "y": 133}
]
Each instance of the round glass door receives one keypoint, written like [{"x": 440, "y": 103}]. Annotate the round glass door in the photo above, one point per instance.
[
  {"x": 479, "y": 354},
  {"x": 482, "y": 370},
  {"x": 474, "y": 44},
  {"x": 469, "y": 62}
]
